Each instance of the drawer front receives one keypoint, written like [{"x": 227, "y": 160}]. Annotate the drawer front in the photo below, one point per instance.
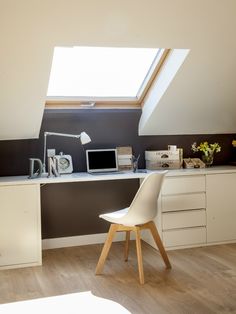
[
  {"x": 186, "y": 184},
  {"x": 183, "y": 202},
  {"x": 189, "y": 236},
  {"x": 184, "y": 219}
]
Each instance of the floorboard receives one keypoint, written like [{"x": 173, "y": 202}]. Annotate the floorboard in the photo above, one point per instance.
[{"x": 202, "y": 280}]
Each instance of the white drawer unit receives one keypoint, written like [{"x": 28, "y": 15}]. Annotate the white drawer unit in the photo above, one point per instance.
[
  {"x": 184, "y": 219},
  {"x": 183, "y": 211},
  {"x": 198, "y": 209},
  {"x": 184, "y": 237}
]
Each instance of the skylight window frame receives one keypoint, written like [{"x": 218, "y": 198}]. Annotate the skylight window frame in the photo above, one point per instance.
[{"x": 81, "y": 102}]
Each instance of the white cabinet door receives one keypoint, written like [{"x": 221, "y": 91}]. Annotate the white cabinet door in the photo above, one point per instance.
[
  {"x": 221, "y": 207},
  {"x": 20, "y": 227}
]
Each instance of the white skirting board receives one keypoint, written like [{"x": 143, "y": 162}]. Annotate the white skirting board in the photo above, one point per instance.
[{"x": 56, "y": 243}]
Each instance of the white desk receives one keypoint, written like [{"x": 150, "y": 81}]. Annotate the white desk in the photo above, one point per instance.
[
  {"x": 86, "y": 177},
  {"x": 74, "y": 177},
  {"x": 20, "y": 217},
  {"x": 20, "y": 212}
]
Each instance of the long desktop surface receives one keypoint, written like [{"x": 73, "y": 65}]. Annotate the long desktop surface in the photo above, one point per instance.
[{"x": 86, "y": 177}]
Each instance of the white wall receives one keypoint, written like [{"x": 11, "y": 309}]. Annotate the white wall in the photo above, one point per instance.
[{"x": 200, "y": 99}]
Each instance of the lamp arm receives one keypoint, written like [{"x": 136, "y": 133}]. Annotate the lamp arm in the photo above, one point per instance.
[{"x": 61, "y": 134}]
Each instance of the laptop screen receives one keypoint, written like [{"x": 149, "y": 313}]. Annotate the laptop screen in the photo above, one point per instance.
[{"x": 101, "y": 160}]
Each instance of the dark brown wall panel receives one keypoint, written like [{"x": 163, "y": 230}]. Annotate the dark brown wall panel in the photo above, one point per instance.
[
  {"x": 70, "y": 209},
  {"x": 107, "y": 128},
  {"x": 73, "y": 208}
]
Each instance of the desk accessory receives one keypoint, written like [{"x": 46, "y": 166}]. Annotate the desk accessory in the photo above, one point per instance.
[
  {"x": 159, "y": 159},
  {"x": 35, "y": 173},
  {"x": 52, "y": 167},
  {"x": 172, "y": 148},
  {"x": 191, "y": 163},
  {"x": 207, "y": 150},
  {"x": 64, "y": 163},
  {"x": 124, "y": 156},
  {"x": 83, "y": 136},
  {"x": 134, "y": 161}
]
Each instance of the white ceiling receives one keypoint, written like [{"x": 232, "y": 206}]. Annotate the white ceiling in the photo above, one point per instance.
[{"x": 201, "y": 98}]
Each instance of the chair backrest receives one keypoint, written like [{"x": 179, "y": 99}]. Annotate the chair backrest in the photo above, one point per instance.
[{"x": 144, "y": 205}]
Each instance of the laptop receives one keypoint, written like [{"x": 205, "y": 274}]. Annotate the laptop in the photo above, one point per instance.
[{"x": 101, "y": 161}]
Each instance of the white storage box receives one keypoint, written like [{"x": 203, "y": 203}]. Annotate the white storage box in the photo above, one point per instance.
[{"x": 166, "y": 159}]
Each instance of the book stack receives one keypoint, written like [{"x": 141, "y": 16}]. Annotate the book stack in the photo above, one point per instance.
[{"x": 124, "y": 156}]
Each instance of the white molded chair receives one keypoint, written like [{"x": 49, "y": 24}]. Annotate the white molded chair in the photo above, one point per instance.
[{"x": 137, "y": 217}]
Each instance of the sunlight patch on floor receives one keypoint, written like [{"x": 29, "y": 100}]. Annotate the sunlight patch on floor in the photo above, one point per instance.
[{"x": 82, "y": 302}]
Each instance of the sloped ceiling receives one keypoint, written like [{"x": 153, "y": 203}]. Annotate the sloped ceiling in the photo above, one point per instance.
[{"x": 201, "y": 98}]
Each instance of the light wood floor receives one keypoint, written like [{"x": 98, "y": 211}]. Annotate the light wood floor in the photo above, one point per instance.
[{"x": 202, "y": 280}]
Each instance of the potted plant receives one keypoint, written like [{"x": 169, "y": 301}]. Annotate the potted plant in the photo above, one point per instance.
[{"x": 207, "y": 150}]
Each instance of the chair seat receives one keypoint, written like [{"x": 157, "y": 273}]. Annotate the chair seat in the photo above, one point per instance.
[
  {"x": 122, "y": 217},
  {"x": 115, "y": 217}
]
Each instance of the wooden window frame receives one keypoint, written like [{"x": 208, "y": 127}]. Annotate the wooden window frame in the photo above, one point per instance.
[{"x": 111, "y": 102}]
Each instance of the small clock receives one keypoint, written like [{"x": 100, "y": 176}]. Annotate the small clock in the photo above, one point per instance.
[{"x": 64, "y": 163}]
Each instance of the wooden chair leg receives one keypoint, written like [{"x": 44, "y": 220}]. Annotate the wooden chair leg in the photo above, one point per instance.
[
  {"x": 152, "y": 227},
  {"x": 127, "y": 245},
  {"x": 106, "y": 248},
  {"x": 139, "y": 255}
]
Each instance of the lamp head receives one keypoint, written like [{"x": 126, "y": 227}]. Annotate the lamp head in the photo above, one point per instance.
[{"x": 84, "y": 138}]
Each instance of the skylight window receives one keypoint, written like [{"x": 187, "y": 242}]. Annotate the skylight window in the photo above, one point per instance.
[{"x": 90, "y": 73}]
